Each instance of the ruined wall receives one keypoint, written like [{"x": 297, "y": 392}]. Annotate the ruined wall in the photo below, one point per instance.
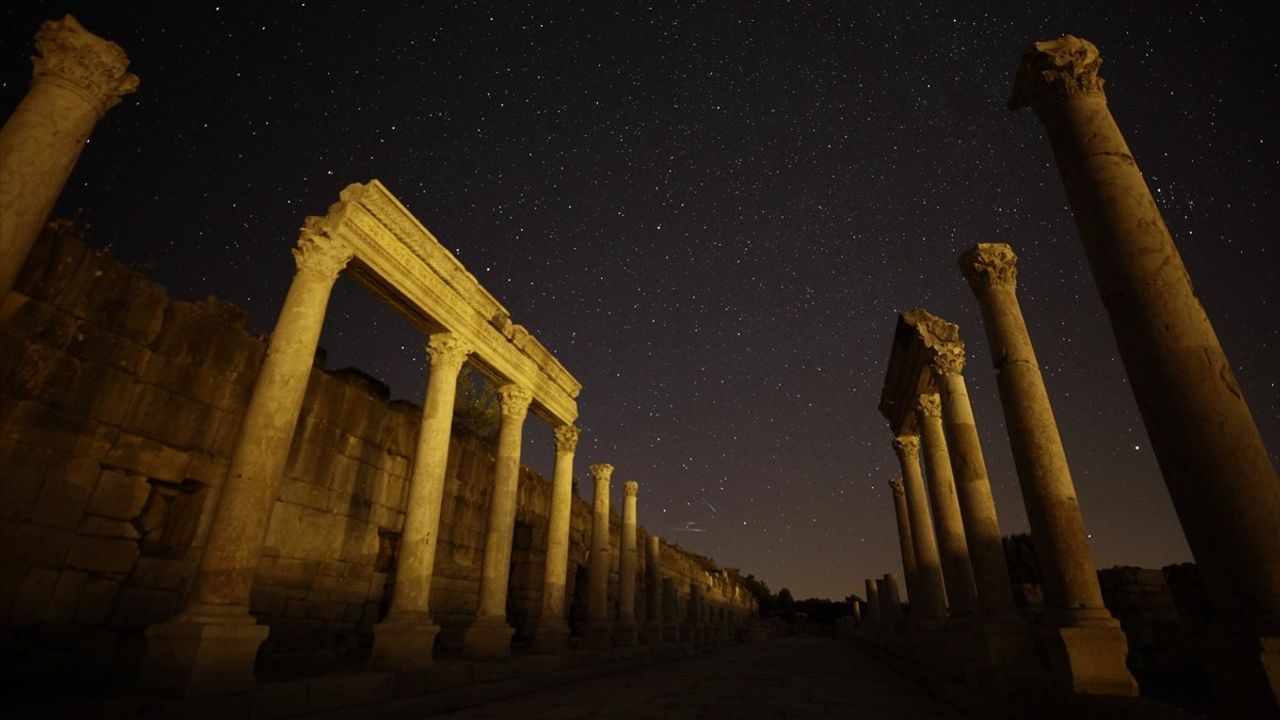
[{"x": 118, "y": 412}]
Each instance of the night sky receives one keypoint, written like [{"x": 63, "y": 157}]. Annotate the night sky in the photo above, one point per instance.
[{"x": 711, "y": 216}]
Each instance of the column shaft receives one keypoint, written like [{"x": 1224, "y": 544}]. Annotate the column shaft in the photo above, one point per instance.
[
  {"x": 873, "y": 601},
  {"x": 905, "y": 544},
  {"x": 596, "y": 631},
  {"x": 930, "y": 603},
  {"x": 552, "y": 632},
  {"x": 653, "y": 605},
  {"x": 625, "y": 632},
  {"x": 956, "y": 571}
]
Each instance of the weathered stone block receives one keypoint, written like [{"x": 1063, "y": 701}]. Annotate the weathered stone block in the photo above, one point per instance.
[
  {"x": 97, "y": 526},
  {"x": 159, "y": 573},
  {"x": 62, "y": 605},
  {"x": 33, "y": 545},
  {"x": 286, "y": 572},
  {"x": 171, "y": 418},
  {"x": 110, "y": 295},
  {"x": 147, "y": 457},
  {"x": 119, "y": 495},
  {"x": 96, "y": 600},
  {"x": 211, "y": 334},
  {"x": 139, "y": 606},
  {"x": 35, "y": 321},
  {"x": 13, "y": 349},
  {"x": 103, "y": 347},
  {"x": 65, "y": 493},
  {"x": 102, "y": 555},
  {"x": 300, "y": 532},
  {"x": 33, "y": 596},
  {"x": 207, "y": 469},
  {"x": 211, "y": 386},
  {"x": 23, "y": 476},
  {"x": 304, "y": 493},
  {"x": 52, "y": 262}
]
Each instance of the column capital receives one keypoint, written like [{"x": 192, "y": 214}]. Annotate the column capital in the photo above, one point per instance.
[
  {"x": 1051, "y": 71},
  {"x": 321, "y": 256},
  {"x": 75, "y": 58},
  {"x": 895, "y": 484},
  {"x": 907, "y": 446},
  {"x": 929, "y": 405},
  {"x": 567, "y": 438},
  {"x": 631, "y": 488},
  {"x": 514, "y": 401},
  {"x": 602, "y": 472},
  {"x": 989, "y": 265},
  {"x": 447, "y": 350},
  {"x": 947, "y": 359}
]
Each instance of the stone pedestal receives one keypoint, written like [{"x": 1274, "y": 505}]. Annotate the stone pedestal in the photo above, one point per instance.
[
  {"x": 552, "y": 633},
  {"x": 624, "y": 630},
  {"x": 1221, "y": 480},
  {"x": 929, "y": 605},
  {"x": 490, "y": 636},
  {"x": 201, "y": 655},
  {"x": 957, "y": 574},
  {"x": 1073, "y": 598},
  {"x": 77, "y": 77}
]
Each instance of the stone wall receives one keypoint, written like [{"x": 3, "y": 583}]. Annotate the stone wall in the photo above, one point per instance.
[{"x": 119, "y": 408}]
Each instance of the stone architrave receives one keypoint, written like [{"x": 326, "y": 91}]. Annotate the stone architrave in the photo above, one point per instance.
[
  {"x": 653, "y": 605},
  {"x": 890, "y": 600},
  {"x": 1215, "y": 464},
  {"x": 552, "y": 634},
  {"x": 1084, "y": 644},
  {"x": 670, "y": 612},
  {"x": 76, "y": 77},
  {"x": 957, "y": 573},
  {"x": 624, "y": 630},
  {"x": 210, "y": 646},
  {"x": 489, "y": 635},
  {"x": 905, "y": 544},
  {"x": 929, "y": 605},
  {"x": 873, "y": 616},
  {"x": 597, "y": 630},
  {"x": 403, "y": 642}
]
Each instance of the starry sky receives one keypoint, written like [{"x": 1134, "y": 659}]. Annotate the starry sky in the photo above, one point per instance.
[{"x": 711, "y": 213}]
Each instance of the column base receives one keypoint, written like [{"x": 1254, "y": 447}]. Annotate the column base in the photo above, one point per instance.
[
  {"x": 651, "y": 634},
  {"x": 596, "y": 635},
  {"x": 1089, "y": 659},
  {"x": 202, "y": 654},
  {"x": 551, "y": 637},
  {"x": 1244, "y": 673},
  {"x": 625, "y": 633},
  {"x": 488, "y": 638},
  {"x": 403, "y": 645}
]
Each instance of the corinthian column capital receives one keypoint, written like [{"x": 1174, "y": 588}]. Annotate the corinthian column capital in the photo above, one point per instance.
[
  {"x": 1053, "y": 70},
  {"x": 895, "y": 484},
  {"x": 990, "y": 265},
  {"x": 77, "y": 59},
  {"x": 321, "y": 255},
  {"x": 514, "y": 401},
  {"x": 567, "y": 438},
  {"x": 447, "y": 351},
  {"x": 947, "y": 359},
  {"x": 631, "y": 488},
  {"x": 602, "y": 472},
  {"x": 907, "y": 446},
  {"x": 929, "y": 405}
]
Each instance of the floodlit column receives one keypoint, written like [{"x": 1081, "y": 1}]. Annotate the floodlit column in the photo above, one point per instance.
[
  {"x": 905, "y": 544},
  {"x": 210, "y": 647},
  {"x": 490, "y": 636},
  {"x": 1084, "y": 643},
  {"x": 596, "y": 630},
  {"x": 1221, "y": 480},
  {"x": 977, "y": 506},
  {"x": 670, "y": 612},
  {"x": 929, "y": 604},
  {"x": 956, "y": 571},
  {"x": 404, "y": 640},
  {"x": 77, "y": 77},
  {"x": 624, "y": 631},
  {"x": 890, "y": 600},
  {"x": 552, "y": 634},
  {"x": 873, "y": 602},
  {"x": 652, "y": 591}
]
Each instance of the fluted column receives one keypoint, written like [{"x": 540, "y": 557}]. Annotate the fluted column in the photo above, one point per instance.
[
  {"x": 624, "y": 631},
  {"x": 873, "y": 616},
  {"x": 652, "y": 591},
  {"x": 956, "y": 571},
  {"x": 890, "y": 600},
  {"x": 489, "y": 635},
  {"x": 552, "y": 634},
  {"x": 1073, "y": 598},
  {"x": 403, "y": 641},
  {"x": 929, "y": 604},
  {"x": 1220, "y": 477},
  {"x": 597, "y": 630},
  {"x": 905, "y": 544},
  {"x": 77, "y": 77},
  {"x": 210, "y": 647}
]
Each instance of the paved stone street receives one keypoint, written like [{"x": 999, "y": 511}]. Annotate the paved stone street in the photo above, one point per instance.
[{"x": 797, "y": 677}]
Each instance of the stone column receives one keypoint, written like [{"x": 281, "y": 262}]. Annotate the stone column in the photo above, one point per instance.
[
  {"x": 210, "y": 646},
  {"x": 873, "y": 602},
  {"x": 552, "y": 634},
  {"x": 905, "y": 544},
  {"x": 652, "y": 592},
  {"x": 890, "y": 600},
  {"x": 624, "y": 630},
  {"x": 77, "y": 77},
  {"x": 956, "y": 571},
  {"x": 490, "y": 636},
  {"x": 1222, "y": 482},
  {"x": 670, "y": 612},
  {"x": 597, "y": 630},
  {"x": 1084, "y": 643},
  {"x": 404, "y": 640},
  {"x": 929, "y": 604}
]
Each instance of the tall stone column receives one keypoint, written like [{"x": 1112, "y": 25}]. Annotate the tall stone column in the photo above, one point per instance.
[
  {"x": 210, "y": 646},
  {"x": 624, "y": 631},
  {"x": 905, "y": 544},
  {"x": 977, "y": 506},
  {"x": 929, "y": 604},
  {"x": 1222, "y": 482},
  {"x": 552, "y": 635},
  {"x": 956, "y": 571},
  {"x": 489, "y": 635},
  {"x": 653, "y": 605},
  {"x": 597, "y": 630},
  {"x": 403, "y": 642},
  {"x": 890, "y": 600},
  {"x": 873, "y": 615},
  {"x": 670, "y": 612},
  {"x": 1084, "y": 643},
  {"x": 77, "y": 77}
]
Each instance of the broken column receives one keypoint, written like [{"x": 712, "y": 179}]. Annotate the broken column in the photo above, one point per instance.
[
  {"x": 890, "y": 601},
  {"x": 1084, "y": 644},
  {"x": 873, "y": 616},
  {"x": 624, "y": 630},
  {"x": 929, "y": 607},
  {"x": 552, "y": 633},
  {"x": 596, "y": 630},
  {"x": 1220, "y": 477},
  {"x": 962, "y": 598}
]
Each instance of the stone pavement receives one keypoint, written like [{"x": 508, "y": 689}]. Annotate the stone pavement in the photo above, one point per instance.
[{"x": 796, "y": 677}]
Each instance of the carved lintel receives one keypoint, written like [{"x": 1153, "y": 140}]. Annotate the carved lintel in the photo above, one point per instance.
[
  {"x": 1053, "y": 70},
  {"x": 447, "y": 351},
  {"x": 321, "y": 256},
  {"x": 907, "y": 446},
  {"x": 567, "y": 438},
  {"x": 514, "y": 401},
  {"x": 95, "y": 68},
  {"x": 602, "y": 472},
  {"x": 895, "y": 483},
  {"x": 990, "y": 265},
  {"x": 631, "y": 488},
  {"x": 929, "y": 405}
]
